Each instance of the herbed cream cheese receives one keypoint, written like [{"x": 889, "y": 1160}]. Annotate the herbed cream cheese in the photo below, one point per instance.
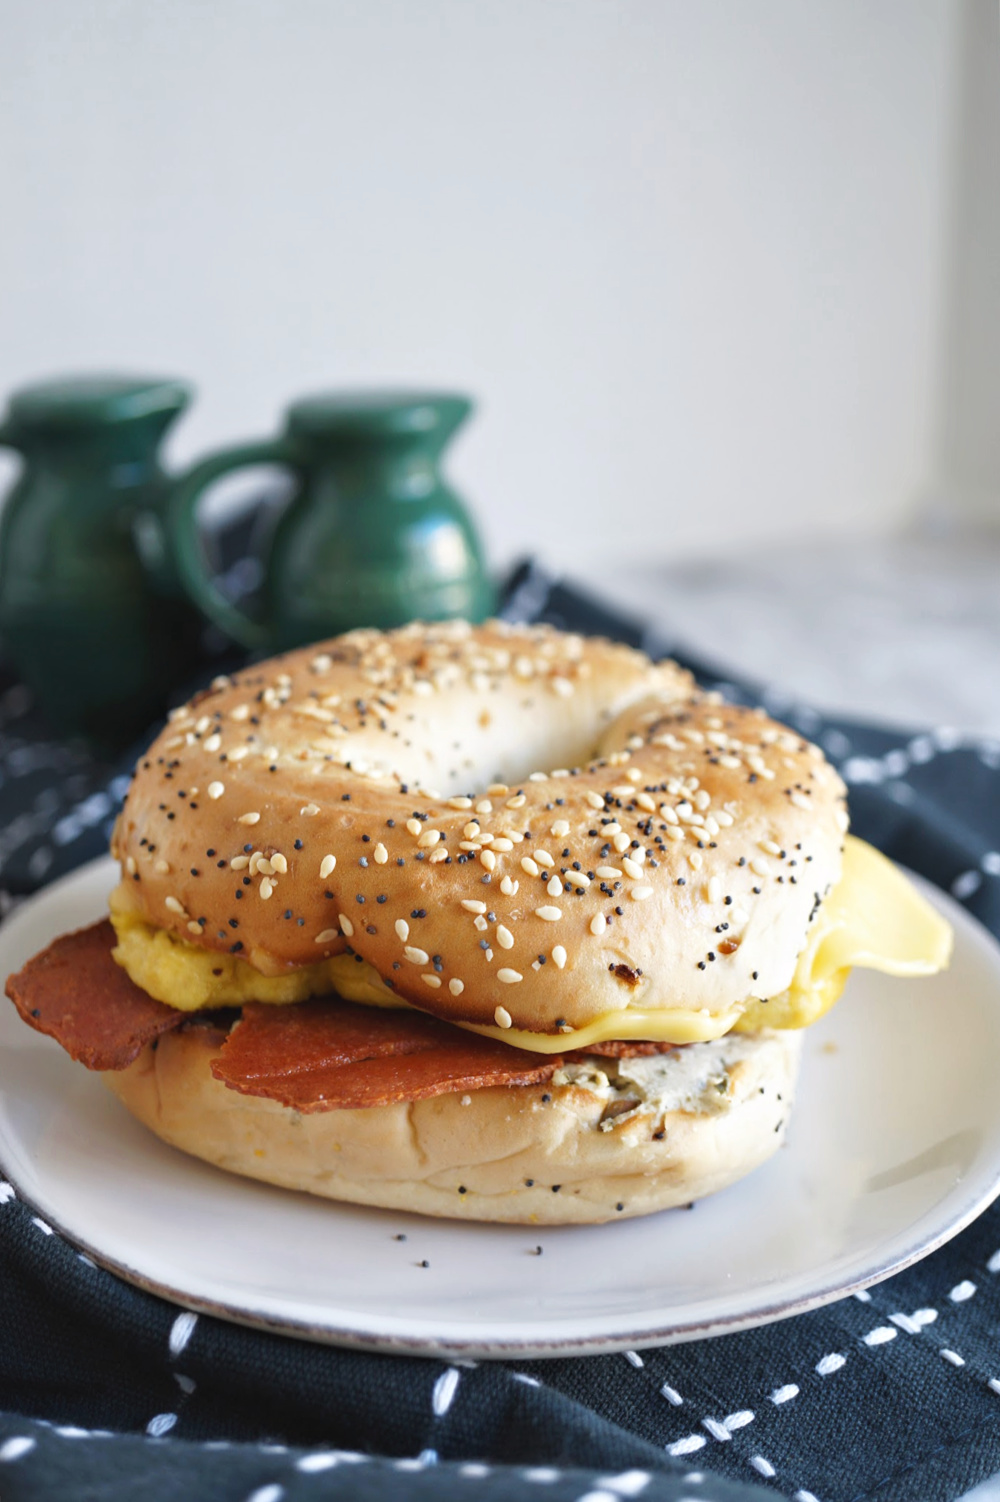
[{"x": 694, "y": 1079}]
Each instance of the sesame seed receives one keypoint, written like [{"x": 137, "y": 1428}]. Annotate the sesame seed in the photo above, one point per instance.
[
  {"x": 213, "y": 743},
  {"x": 266, "y": 888},
  {"x": 484, "y": 807},
  {"x": 770, "y": 848},
  {"x": 172, "y": 904},
  {"x": 608, "y": 873},
  {"x": 326, "y": 865},
  {"x": 714, "y": 889},
  {"x": 594, "y": 799},
  {"x": 428, "y": 838},
  {"x": 639, "y": 894},
  {"x": 161, "y": 867},
  {"x": 509, "y": 977},
  {"x": 472, "y": 905},
  {"x": 279, "y": 863},
  {"x": 414, "y": 826},
  {"x": 252, "y": 818},
  {"x": 544, "y": 858},
  {"x": 759, "y": 866},
  {"x": 347, "y": 927},
  {"x": 193, "y": 927},
  {"x": 488, "y": 859},
  {"x": 326, "y": 937},
  {"x": 431, "y": 980},
  {"x": 481, "y": 924},
  {"x": 559, "y": 957},
  {"x": 416, "y": 956},
  {"x": 548, "y": 914},
  {"x": 459, "y": 802},
  {"x": 456, "y": 987},
  {"x": 518, "y": 801},
  {"x": 554, "y": 887},
  {"x": 504, "y": 937},
  {"x": 509, "y": 887},
  {"x": 632, "y": 868},
  {"x": 216, "y": 789},
  {"x": 621, "y": 842},
  {"x": 528, "y": 866},
  {"x": 501, "y": 1016},
  {"x": 560, "y": 828},
  {"x": 576, "y": 879},
  {"x": 402, "y": 929},
  {"x": 502, "y": 843},
  {"x": 598, "y": 924},
  {"x": 380, "y": 854},
  {"x": 310, "y": 810}
]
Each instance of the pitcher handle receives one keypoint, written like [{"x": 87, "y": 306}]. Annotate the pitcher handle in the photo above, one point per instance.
[{"x": 185, "y": 538}]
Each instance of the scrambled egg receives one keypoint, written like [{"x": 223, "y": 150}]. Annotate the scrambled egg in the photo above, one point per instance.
[{"x": 184, "y": 976}]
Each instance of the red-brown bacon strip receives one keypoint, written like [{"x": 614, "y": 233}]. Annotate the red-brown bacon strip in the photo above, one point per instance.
[
  {"x": 74, "y": 992},
  {"x": 318, "y": 1055},
  {"x": 334, "y": 1055}
]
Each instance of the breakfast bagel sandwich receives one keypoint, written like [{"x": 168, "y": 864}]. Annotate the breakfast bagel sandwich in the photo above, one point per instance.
[{"x": 492, "y": 922}]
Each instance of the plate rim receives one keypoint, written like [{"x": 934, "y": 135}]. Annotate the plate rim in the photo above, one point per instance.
[{"x": 552, "y": 1347}]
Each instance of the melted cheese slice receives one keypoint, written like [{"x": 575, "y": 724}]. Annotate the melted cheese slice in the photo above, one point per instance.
[{"x": 874, "y": 917}]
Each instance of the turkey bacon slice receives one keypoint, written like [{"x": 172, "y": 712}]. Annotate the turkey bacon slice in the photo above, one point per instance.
[
  {"x": 74, "y": 992},
  {"x": 333, "y": 1055}
]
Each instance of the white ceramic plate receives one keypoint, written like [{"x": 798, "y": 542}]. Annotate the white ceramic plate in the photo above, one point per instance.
[{"x": 894, "y": 1147}]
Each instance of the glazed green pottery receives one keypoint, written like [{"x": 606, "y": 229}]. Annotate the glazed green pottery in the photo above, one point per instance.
[
  {"x": 92, "y": 614},
  {"x": 372, "y": 535}
]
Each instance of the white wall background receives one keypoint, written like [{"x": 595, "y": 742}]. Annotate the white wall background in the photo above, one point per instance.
[{"x": 693, "y": 259}]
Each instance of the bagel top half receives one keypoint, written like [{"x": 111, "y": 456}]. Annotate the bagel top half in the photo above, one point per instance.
[{"x": 513, "y": 826}]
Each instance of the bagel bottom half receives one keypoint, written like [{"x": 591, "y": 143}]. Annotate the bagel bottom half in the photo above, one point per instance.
[{"x": 531, "y": 1154}]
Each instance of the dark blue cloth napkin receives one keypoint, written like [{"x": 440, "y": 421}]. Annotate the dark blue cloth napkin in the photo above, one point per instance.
[{"x": 894, "y": 1395}]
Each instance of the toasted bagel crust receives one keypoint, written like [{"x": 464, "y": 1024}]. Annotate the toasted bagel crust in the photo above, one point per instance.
[
  {"x": 492, "y": 1155},
  {"x": 506, "y": 822}
]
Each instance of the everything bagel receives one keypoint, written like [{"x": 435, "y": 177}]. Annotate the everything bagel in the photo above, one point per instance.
[{"x": 628, "y": 895}]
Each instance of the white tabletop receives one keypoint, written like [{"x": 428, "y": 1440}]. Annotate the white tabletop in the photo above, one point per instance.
[{"x": 902, "y": 629}]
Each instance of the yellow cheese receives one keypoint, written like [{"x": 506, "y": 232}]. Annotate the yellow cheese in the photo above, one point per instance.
[
  {"x": 874, "y": 917},
  {"x": 668, "y": 1025}
]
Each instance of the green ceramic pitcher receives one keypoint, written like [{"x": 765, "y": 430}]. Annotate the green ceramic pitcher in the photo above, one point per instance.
[
  {"x": 91, "y": 611},
  {"x": 372, "y": 535}
]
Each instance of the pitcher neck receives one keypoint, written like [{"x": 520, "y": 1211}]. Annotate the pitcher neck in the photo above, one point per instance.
[{"x": 396, "y": 472}]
